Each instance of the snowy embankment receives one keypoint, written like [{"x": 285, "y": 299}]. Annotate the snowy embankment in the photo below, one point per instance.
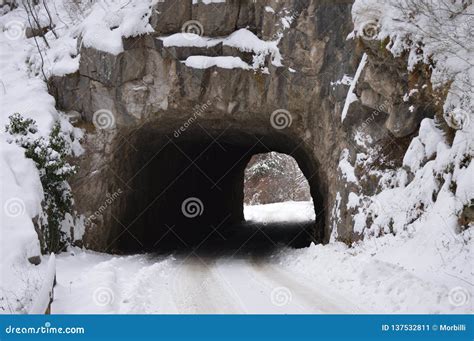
[
  {"x": 23, "y": 91},
  {"x": 21, "y": 191},
  {"x": 416, "y": 220},
  {"x": 44, "y": 297}
]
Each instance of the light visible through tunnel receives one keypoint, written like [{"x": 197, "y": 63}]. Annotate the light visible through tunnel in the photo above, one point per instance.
[{"x": 277, "y": 196}]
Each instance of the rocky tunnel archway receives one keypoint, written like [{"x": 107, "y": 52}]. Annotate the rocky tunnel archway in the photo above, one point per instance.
[{"x": 182, "y": 187}]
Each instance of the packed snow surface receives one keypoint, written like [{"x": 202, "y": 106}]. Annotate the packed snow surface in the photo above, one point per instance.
[{"x": 380, "y": 276}]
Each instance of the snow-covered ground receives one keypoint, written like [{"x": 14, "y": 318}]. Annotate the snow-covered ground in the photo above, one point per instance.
[
  {"x": 381, "y": 276},
  {"x": 294, "y": 211},
  {"x": 425, "y": 265},
  {"x": 97, "y": 283}
]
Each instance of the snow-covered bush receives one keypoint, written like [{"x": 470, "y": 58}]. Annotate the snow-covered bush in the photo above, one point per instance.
[{"x": 50, "y": 156}]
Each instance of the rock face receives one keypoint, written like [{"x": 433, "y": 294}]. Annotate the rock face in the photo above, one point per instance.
[
  {"x": 176, "y": 132},
  {"x": 274, "y": 177}
]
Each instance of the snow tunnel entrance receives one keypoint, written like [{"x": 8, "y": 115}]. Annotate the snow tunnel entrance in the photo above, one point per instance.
[{"x": 187, "y": 190}]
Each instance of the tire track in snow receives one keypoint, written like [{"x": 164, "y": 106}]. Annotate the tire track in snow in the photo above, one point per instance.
[
  {"x": 147, "y": 284},
  {"x": 148, "y": 290},
  {"x": 253, "y": 290},
  {"x": 314, "y": 297},
  {"x": 197, "y": 290}
]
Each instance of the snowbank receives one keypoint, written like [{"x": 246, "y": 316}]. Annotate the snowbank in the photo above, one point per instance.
[
  {"x": 382, "y": 276},
  {"x": 45, "y": 295},
  {"x": 107, "y": 22},
  {"x": 413, "y": 221},
  {"x": 21, "y": 195},
  {"x": 23, "y": 91}
]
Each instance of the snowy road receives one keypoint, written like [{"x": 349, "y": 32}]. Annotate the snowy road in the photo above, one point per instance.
[
  {"x": 256, "y": 273},
  {"x": 188, "y": 285},
  {"x": 222, "y": 275}
]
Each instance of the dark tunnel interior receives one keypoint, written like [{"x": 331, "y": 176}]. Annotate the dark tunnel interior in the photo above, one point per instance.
[{"x": 187, "y": 192}]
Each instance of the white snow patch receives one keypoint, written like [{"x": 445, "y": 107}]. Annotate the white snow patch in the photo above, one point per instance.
[
  {"x": 269, "y": 9},
  {"x": 207, "y": 2},
  {"x": 109, "y": 21},
  {"x": 351, "y": 96},
  {"x": 346, "y": 168},
  {"x": 189, "y": 39},
  {"x": 204, "y": 62},
  {"x": 295, "y": 211},
  {"x": 243, "y": 40},
  {"x": 385, "y": 276}
]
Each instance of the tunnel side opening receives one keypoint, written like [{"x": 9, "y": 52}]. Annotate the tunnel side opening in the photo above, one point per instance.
[{"x": 187, "y": 192}]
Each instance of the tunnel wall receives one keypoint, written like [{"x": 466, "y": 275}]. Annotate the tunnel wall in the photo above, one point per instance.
[{"x": 149, "y": 86}]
